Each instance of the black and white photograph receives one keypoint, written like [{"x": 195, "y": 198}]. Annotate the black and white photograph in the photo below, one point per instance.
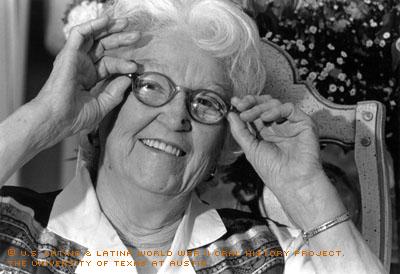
[{"x": 199, "y": 136}]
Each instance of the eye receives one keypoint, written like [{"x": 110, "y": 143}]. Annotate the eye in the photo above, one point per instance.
[
  {"x": 145, "y": 86},
  {"x": 208, "y": 107},
  {"x": 209, "y": 100},
  {"x": 151, "y": 92}
]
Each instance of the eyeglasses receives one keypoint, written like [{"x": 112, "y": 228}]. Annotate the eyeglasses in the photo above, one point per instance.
[{"x": 155, "y": 90}]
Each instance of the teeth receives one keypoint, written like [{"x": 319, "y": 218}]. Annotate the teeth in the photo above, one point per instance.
[{"x": 163, "y": 146}]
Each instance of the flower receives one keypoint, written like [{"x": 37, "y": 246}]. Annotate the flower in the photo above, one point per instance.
[
  {"x": 302, "y": 48},
  {"x": 352, "y": 92},
  {"x": 386, "y": 35},
  {"x": 382, "y": 43},
  {"x": 299, "y": 42},
  {"x": 312, "y": 76},
  {"x": 372, "y": 23},
  {"x": 339, "y": 60},
  {"x": 313, "y": 29},
  {"x": 84, "y": 12},
  {"x": 388, "y": 90},
  {"x": 329, "y": 66},
  {"x": 303, "y": 62},
  {"x": 369, "y": 43},
  {"x": 343, "y": 54},
  {"x": 332, "y": 88},
  {"x": 303, "y": 71},
  {"x": 330, "y": 46},
  {"x": 342, "y": 76},
  {"x": 324, "y": 74}
]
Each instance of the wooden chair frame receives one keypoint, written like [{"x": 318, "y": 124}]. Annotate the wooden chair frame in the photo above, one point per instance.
[{"x": 358, "y": 126}]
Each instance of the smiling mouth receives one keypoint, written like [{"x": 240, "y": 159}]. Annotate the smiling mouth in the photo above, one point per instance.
[{"x": 164, "y": 147}]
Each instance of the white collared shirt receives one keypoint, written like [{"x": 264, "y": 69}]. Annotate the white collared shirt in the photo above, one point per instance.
[{"x": 76, "y": 216}]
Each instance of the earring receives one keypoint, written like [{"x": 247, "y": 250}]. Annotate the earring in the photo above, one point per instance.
[{"x": 211, "y": 174}]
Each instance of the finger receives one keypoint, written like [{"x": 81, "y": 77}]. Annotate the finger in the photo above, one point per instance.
[
  {"x": 286, "y": 111},
  {"x": 256, "y": 111},
  {"x": 113, "y": 41},
  {"x": 110, "y": 65},
  {"x": 241, "y": 133},
  {"x": 113, "y": 94},
  {"x": 80, "y": 33},
  {"x": 114, "y": 26},
  {"x": 84, "y": 35},
  {"x": 249, "y": 101}
]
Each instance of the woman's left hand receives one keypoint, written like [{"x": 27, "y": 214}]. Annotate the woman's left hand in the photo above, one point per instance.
[{"x": 285, "y": 154}]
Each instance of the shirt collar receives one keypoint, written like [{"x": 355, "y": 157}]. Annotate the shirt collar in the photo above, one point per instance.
[{"x": 76, "y": 215}]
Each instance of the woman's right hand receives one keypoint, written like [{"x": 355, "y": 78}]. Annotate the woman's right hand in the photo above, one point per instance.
[{"x": 81, "y": 64}]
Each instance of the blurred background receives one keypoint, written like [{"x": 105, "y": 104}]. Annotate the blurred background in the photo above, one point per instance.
[{"x": 349, "y": 50}]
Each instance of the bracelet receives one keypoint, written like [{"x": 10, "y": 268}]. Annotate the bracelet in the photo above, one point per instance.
[{"x": 325, "y": 226}]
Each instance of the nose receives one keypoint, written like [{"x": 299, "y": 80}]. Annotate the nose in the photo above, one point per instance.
[{"x": 175, "y": 114}]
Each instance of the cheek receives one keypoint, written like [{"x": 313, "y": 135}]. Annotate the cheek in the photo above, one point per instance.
[
  {"x": 207, "y": 146},
  {"x": 132, "y": 118},
  {"x": 210, "y": 141}
]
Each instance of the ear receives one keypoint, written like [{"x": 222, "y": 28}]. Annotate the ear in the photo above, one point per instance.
[{"x": 230, "y": 151}]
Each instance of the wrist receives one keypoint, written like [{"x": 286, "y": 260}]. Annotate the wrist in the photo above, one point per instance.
[
  {"x": 41, "y": 131},
  {"x": 312, "y": 201}
]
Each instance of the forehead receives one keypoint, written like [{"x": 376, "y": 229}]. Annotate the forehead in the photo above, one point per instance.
[{"x": 176, "y": 55}]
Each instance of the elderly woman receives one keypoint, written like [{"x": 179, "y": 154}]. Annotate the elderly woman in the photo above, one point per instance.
[{"x": 166, "y": 83}]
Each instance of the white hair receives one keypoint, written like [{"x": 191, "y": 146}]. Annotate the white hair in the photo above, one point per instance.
[{"x": 219, "y": 27}]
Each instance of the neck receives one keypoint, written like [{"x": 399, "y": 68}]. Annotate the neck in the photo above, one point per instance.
[{"x": 142, "y": 218}]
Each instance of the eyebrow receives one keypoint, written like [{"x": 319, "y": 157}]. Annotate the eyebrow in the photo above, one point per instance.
[
  {"x": 149, "y": 61},
  {"x": 226, "y": 88}
]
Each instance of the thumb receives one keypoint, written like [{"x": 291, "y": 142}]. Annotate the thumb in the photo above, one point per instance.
[
  {"x": 241, "y": 133},
  {"x": 112, "y": 95}
]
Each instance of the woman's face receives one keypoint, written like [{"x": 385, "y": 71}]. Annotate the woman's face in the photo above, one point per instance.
[{"x": 195, "y": 146}]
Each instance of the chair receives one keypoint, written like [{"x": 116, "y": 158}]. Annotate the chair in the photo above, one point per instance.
[{"x": 358, "y": 128}]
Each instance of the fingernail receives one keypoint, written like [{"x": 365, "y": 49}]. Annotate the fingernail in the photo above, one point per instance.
[{"x": 267, "y": 115}]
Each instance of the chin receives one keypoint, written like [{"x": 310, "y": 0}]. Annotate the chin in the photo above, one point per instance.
[{"x": 165, "y": 184}]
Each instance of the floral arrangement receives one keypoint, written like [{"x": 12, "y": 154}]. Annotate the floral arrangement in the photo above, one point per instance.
[{"x": 348, "y": 49}]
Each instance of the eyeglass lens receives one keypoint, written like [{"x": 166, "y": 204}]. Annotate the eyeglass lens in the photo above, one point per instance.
[{"x": 155, "y": 90}]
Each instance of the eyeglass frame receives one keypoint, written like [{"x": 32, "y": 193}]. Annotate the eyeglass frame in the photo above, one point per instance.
[{"x": 176, "y": 89}]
